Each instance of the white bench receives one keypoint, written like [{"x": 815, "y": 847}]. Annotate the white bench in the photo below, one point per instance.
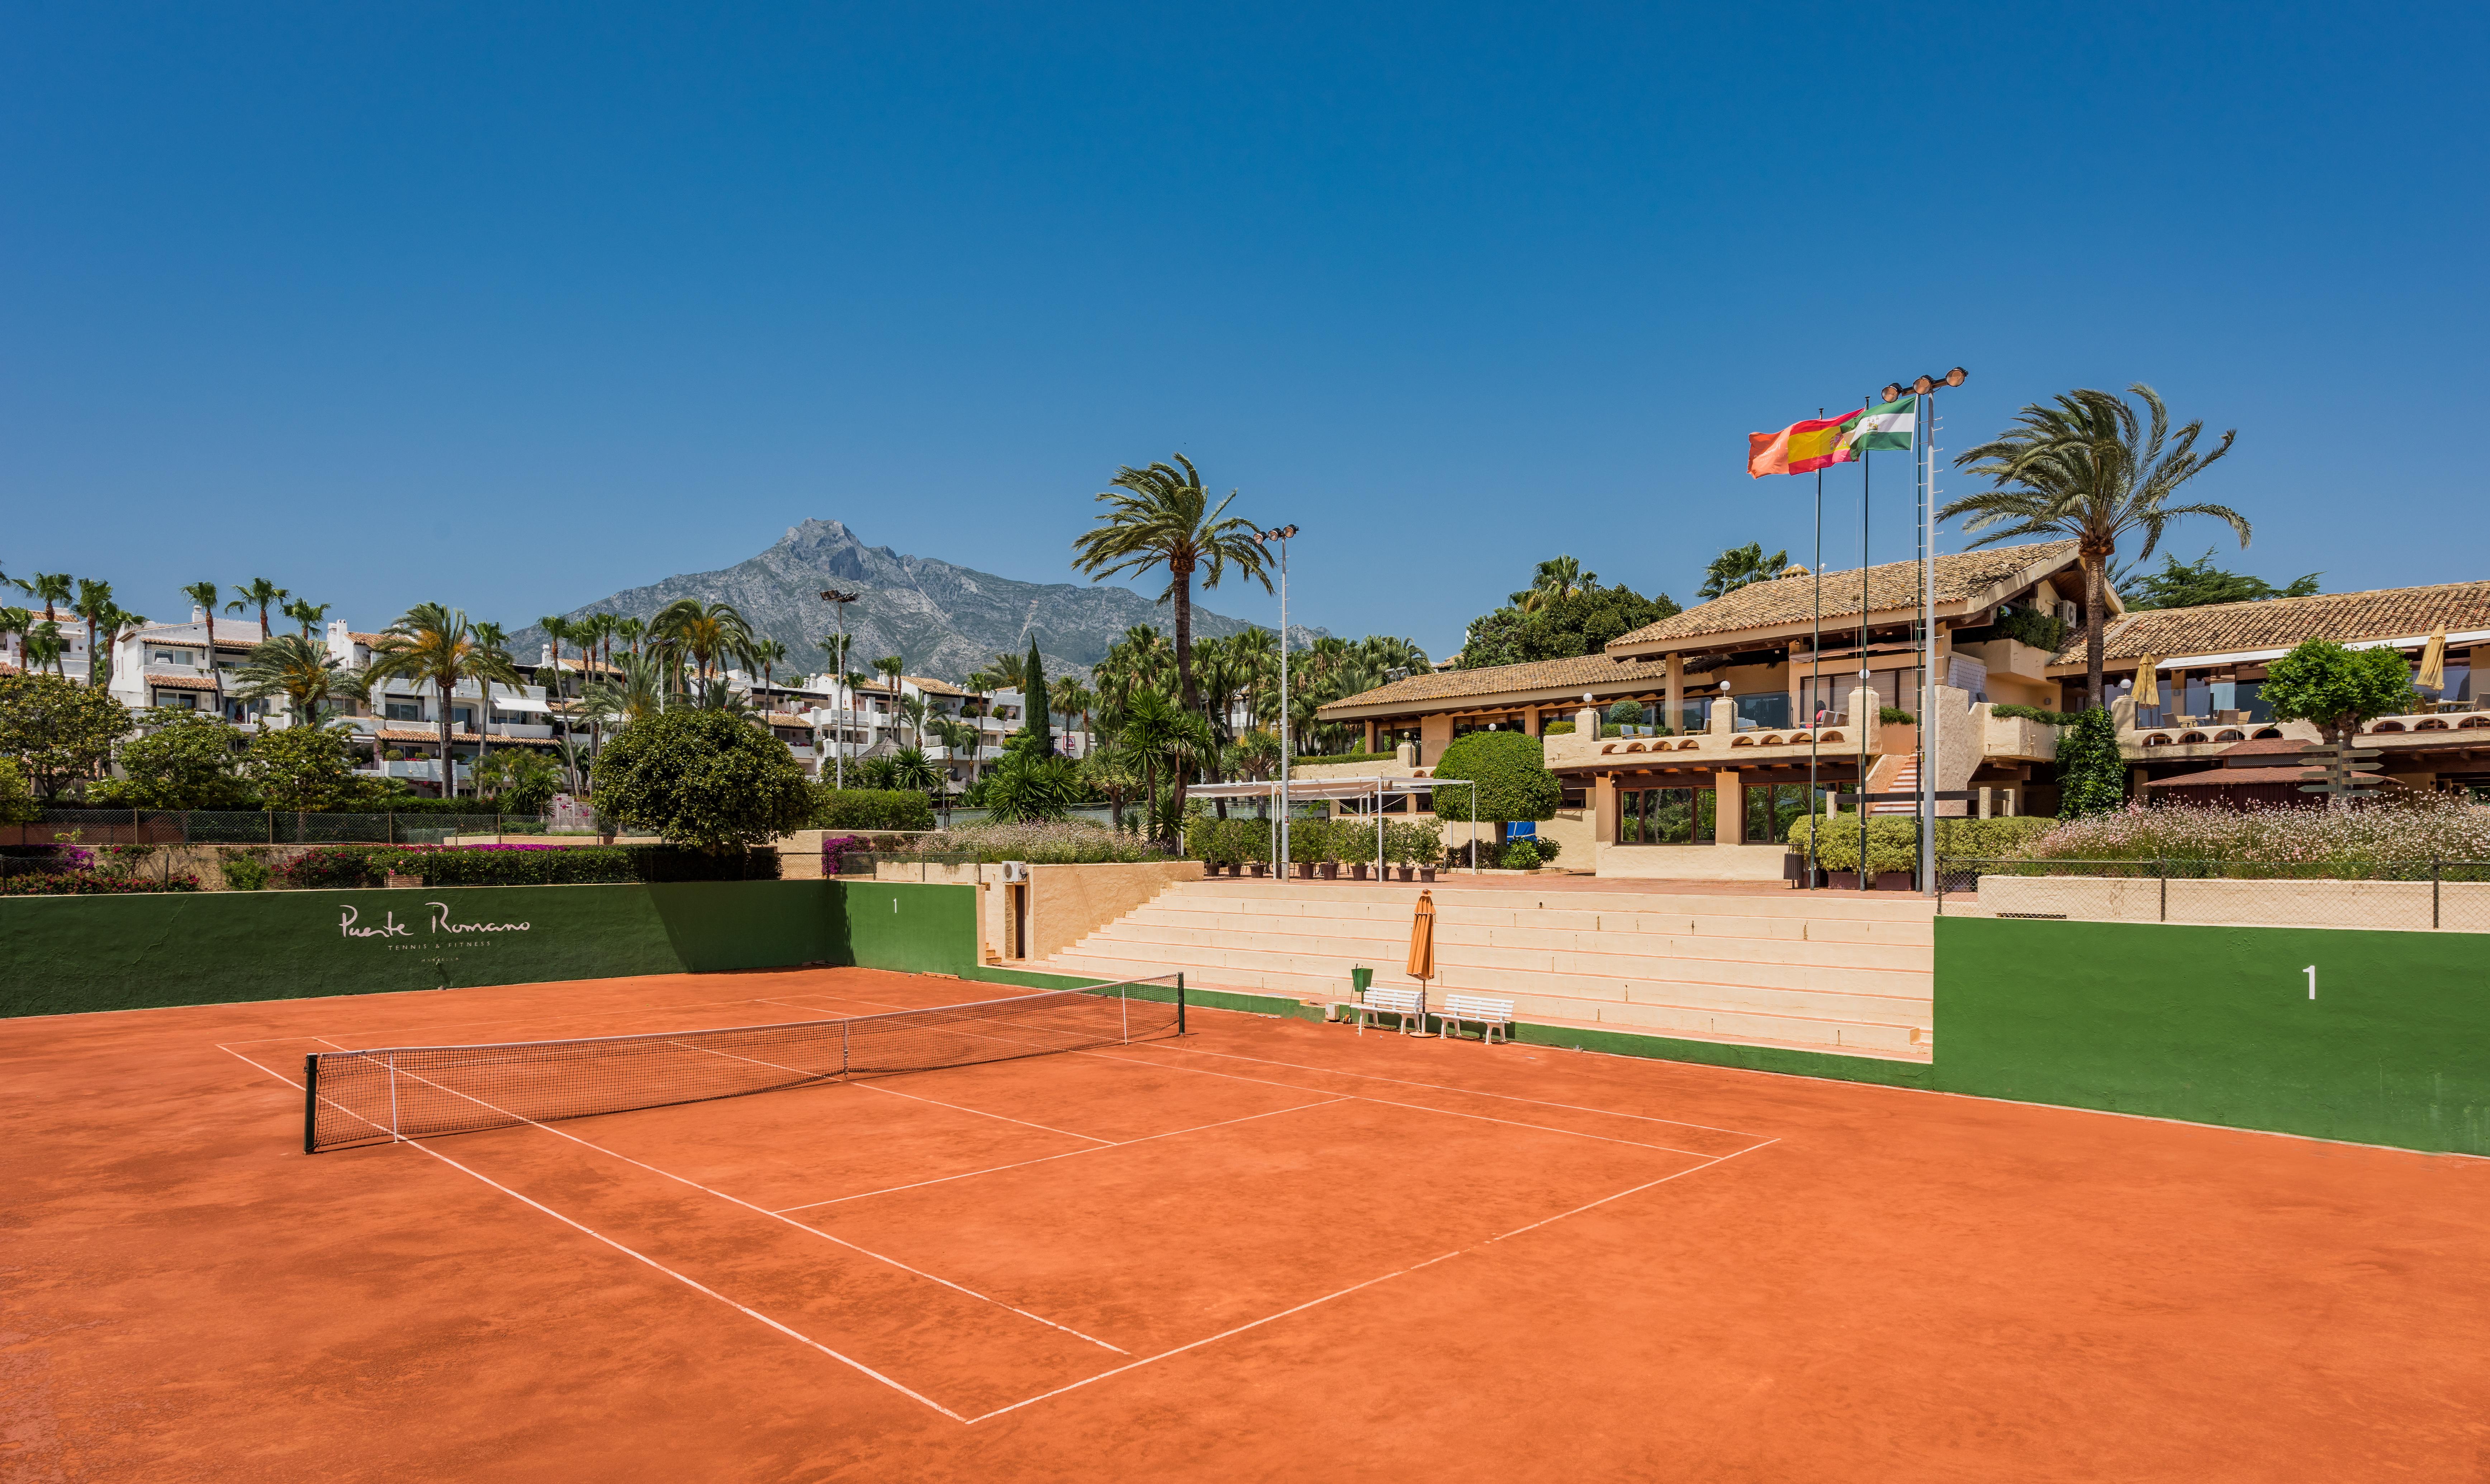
[
  {"x": 1406, "y": 1004},
  {"x": 1491, "y": 1015}
]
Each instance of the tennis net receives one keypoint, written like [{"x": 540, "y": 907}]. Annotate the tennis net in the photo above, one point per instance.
[{"x": 395, "y": 1092}]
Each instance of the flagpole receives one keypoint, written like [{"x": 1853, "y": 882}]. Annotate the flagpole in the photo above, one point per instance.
[
  {"x": 1815, "y": 690},
  {"x": 1927, "y": 734},
  {"x": 1861, "y": 723}
]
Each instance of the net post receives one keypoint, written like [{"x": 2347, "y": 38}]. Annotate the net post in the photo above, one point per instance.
[
  {"x": 311, "y": 1103},
  {"x": 393, "y": 1077},
  {"x": 844, "y": 1027},
  {"x": 1124, "y": 1003},
  {"x": 1179, "y": 1004}
]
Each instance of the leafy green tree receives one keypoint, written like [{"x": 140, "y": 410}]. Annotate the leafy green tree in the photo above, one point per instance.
[
  {"x": 1038, "y": 721},
  {"x": 2085, "y": 466},
  {"x": 1625, "y": 713},
  {"x": 2195, "y": 584},
  {"x": 2322, "y": 681},
  {"x": 2092, "y": 777},
  {"x": 18, "y": 803},
  {"x": 191, "y": 760},
  {"x": 57, "y": 731},
  {"x": 703, "y": 779},
  {"x": 307, "y": 768},
  {"x": 1739, "y": 566},
  {"x": 1561, "y": 628},
  {"x": 1511, "y": 771},
  {"x": 518, "y": 781}
]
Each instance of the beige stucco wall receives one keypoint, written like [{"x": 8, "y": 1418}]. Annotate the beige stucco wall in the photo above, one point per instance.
[
  {"x": 1692, "y": 863},
  {"x": 2463, "y": 906},
  {"x": 1069, "y": 903}
]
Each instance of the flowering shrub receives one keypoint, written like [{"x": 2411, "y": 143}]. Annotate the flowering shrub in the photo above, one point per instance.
[
  {"x": 1058, "y": 843},
  {"x": 2300, "y": 839},
  {"x": 366, "y": 866},
  {"x": 87, "y": 883},
  {"x": 834, "y": 850}
]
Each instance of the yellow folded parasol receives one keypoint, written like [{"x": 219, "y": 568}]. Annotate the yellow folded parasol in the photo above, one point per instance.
[
  {"x": 1422, "y": 938},
  {"x": 2433, "y": 662}
]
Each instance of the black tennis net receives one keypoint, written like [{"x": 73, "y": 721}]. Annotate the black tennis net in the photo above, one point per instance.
[{"x": 395, "y": 1092}]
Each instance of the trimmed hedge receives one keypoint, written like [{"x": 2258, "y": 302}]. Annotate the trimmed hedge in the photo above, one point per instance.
[
  {"x": 367, "y": 866},
  {"x": 2036, "y": 714},
  {"x": 871, "y": 809},
  {"x": 1894, "y": 839},
  {"x": 1303, "y": 759}
]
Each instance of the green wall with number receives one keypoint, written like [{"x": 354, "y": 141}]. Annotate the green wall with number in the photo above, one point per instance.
[
  {"x": 2216, "y": 1026},
  {"x": 64, "y": 954}
]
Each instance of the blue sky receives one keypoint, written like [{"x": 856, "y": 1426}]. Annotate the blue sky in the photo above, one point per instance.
[{"x": 511, "y": 306}]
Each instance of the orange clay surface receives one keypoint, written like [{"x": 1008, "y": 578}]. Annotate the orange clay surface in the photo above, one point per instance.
[{"x": 1273, "y": 1250}]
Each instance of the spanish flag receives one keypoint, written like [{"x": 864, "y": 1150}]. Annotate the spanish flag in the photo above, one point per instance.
[{"x": 1802, "y": 447}]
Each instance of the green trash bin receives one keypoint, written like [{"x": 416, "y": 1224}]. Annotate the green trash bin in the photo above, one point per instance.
[{"x": 1360, "y": 977}]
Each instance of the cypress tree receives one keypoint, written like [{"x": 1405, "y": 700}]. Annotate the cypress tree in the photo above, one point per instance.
[{"x": 1040, "y": 723}]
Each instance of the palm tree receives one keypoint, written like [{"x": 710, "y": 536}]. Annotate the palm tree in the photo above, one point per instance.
[
  {"x": 630, "y": 631},
  {"x": 493, "y": 640},
  {"x": 305, "y": 611},
  {"x": 1156, "y": 730},
  {"x": 44, "y": 648},
  {"x": 708, "y": 634},
  {"x": 912, "y": 707},
  {"x": 1558, "y": 577},
  {"x": 94, "y": 605},
  {"x": 1162, "y": 516},
  {"x": 769, "y": 654},
  {"x": 2085, "y": 466},
  {"x": 259, "y": 591},
  {"x": 956, "y": 735},
  {"x": 1002, "y": 673},
  {"x": 204, "y": 594},
  {"x": 54, "y": 588},
  {"x": 557, "y": 628},
  {"x": 435, "y": 646},
  {"x": 19, "y": 622},
  {"x": 1738, "y": 566},
  {"x": 1071, "y": 698},
  {"x": 834, "y": 648},
  {"x": 295, "y": 666}
]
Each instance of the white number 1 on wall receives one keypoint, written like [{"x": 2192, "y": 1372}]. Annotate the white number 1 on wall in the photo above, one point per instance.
[{"x": 2312, "y": 980}]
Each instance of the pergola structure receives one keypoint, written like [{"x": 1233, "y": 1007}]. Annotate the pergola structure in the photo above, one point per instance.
[{"x": 1280, "y": 792}]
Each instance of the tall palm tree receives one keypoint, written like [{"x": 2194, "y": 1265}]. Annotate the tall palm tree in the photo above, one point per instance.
[
  {"x": 309, "y": 615},
  {"x": 1071, "y": 698},
  {"x": 1155, "y": 731},
  {"x": 2086, "y": 466},
  {"x": 1558, "y": 577},
  {"x": 19, "y": 622},
  {"x": 558, "y": 630},
  {"x": 771, "y": 654},
  {"x": 834, "y": 648},
  {"x": 1162, "y": 516},
  {"x": 295, "y": 666},
  {"x": 204, "y": 594},
  {"x": 94, "y": 605},
  {"x": 44, "y": 648},
  {"x": 493, "y": 640},
  {"x": 259, "y": 593},
  {"x": 1002, "y": 673},
  {"x": 956, "y": 736},
  {"x": 435, "y": 646},
  {"x": 912, "y": 707},
  {"x": 1738, "y": 568},
  {"x": 707, "y": 634},
  {"x": 630, "y": 631},
  {"x": 55, "y": 589}
]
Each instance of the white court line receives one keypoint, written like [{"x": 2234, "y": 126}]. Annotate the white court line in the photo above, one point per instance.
[
  {"x": 1355, "y": 1287},
  {"x": 1472, "y": 1091},
  {"x": 846, "y": 1360},
  {"x": 982, "y": 1113},
  {"x": 940, "y": 1180},
  {"x": 1387, "y": 1102},
  {"x": 812, "y": 1231}
]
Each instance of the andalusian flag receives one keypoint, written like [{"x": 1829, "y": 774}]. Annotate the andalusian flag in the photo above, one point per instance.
[
  {"x": 1886, "y": 425},
  {"x": 1802, "y": 447}
]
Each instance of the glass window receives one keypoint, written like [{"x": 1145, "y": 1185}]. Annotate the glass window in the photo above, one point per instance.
[
  {"x": 1768, "y": 710},
  {"x": 1663, "y": 816},
  {"x": 405, "y": 710},
  {"x": 1770, "y": 810}
]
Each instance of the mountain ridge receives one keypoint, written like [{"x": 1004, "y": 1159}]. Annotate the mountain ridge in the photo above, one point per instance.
[{"x": 943, "y": 619}]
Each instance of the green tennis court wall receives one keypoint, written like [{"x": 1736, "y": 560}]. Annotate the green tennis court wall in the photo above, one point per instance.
[
  {"x": 2216, "y": 1026},
  {"x": 65, "y": 954}
]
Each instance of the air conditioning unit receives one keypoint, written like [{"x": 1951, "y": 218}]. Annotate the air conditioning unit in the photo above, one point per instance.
[
  {"x": 2070, "y": 614},
  {"x": 1015, "y": 873}
]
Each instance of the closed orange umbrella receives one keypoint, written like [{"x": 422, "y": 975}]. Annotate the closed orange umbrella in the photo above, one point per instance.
[
  {"x": 1422, "y": 938},
  {"x": 2433, "y": 662}
]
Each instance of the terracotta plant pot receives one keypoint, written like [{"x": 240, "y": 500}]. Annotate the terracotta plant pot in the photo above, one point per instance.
[
  {"x": 1426, "y": 873},
  {"x": 1409, "y": 873},
  {"x": 1210, "y": 869},
  {"x": 1331, "y": 871},
  {"x": 1258, "y": 868}
]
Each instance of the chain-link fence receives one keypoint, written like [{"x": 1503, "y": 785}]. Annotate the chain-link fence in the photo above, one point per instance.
[
  {"x": 259, "y": 827},
  {"x": 2411, "y": 895}
]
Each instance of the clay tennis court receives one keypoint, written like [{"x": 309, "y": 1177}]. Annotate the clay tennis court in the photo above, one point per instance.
[{"x": 1268, "y": 1249}]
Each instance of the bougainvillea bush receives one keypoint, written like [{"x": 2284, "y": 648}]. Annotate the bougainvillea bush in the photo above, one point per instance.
[{"x": 2390, "y": 835}]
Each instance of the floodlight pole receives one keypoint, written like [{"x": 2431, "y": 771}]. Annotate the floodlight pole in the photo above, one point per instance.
[
  {"x": 1923, "y": 479},
  {"x": 1281, "y": 535},
  {"x": 839, "y": 602}
]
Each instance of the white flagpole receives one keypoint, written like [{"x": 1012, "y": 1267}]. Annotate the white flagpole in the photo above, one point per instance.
[{"x": 1927, "y": 800}]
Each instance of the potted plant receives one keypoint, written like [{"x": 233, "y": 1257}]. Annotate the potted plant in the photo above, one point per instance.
[
  {"x": 1304, "y": 848},
  {"x": 1426, "y": 847},
  {"x": 1327, "y": 852}
]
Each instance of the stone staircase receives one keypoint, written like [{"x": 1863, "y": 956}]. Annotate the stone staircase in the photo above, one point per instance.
[
  {"x": 1896, "y": 775},
  {"x": 1822, "y": 971}
]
